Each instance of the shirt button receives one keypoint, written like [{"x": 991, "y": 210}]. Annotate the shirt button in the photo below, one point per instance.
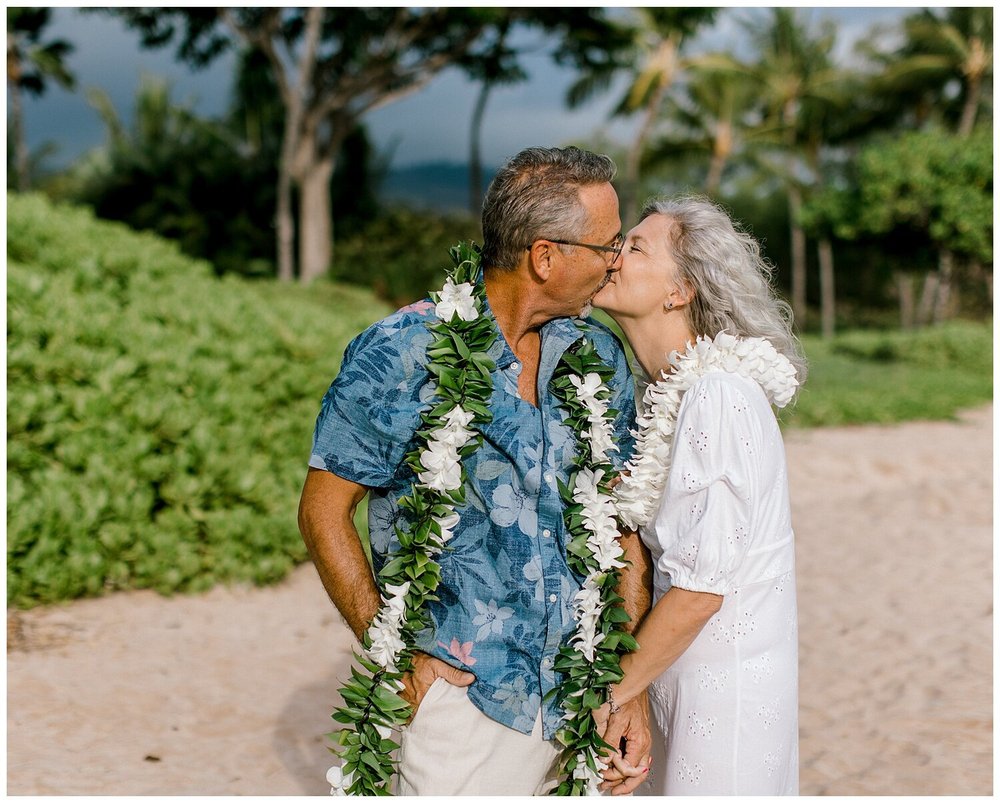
[
  {"x": 514, "y": 366},
  {"x": 553, "y": 597},
  {"x": 546, "y": 662},
  {"x": 546, "y": 533},
  {"x": 548, "y": 476}
]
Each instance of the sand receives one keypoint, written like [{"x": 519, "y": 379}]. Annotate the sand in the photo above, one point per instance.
[{"x": 230, "y": 692}]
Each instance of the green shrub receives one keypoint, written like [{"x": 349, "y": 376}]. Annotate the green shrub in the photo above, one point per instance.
[
  {"x": 402, "y": 254},
  {"x": 158, "y": 418}
]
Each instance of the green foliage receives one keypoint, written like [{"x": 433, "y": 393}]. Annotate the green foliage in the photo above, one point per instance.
[
  {"x": 584, "y": 684},
  {"x": 31, "y": 63},
  {"x": 884, "y": 377},
  {"x": 210, "y": 185},
  {"x": 183, "y": 177},
  {"x": 158, "y": 418},
  {"x": 934, "y": 185},
  {"x": 398, "y": 255}
]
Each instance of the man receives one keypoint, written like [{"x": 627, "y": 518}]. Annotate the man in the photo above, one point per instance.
[{"x": 552, "y": 237}]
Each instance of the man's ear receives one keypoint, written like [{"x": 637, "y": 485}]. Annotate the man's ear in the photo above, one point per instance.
[{"x": 540, "y": 257}]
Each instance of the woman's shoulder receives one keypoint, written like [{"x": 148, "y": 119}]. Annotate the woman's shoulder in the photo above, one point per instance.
[
  {"x": 726, "y": 385},
  {"x": 729, "y": 400}
]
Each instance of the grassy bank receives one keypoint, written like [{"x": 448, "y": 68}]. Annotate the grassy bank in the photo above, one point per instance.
[{"x": 885, "y": 377}]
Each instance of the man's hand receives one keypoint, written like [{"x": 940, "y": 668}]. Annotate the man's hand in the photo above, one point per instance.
[
  {"x": 630, "y": 763},
  {"x": 426, "y": 669}
]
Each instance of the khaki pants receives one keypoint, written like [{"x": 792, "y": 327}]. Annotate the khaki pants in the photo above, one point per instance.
[{"x": 453, "y": 748}]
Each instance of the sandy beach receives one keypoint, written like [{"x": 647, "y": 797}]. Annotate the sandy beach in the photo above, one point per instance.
[{"x": 230, "y": 692}]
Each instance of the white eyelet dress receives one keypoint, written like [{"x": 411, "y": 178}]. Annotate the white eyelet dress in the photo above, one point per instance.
[{"x": 728, "y": 707}]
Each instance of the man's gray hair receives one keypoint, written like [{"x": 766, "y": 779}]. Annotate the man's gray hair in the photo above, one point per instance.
[
  {"x": 731, "y": 281},
  {"x": 536, "y": 195}
]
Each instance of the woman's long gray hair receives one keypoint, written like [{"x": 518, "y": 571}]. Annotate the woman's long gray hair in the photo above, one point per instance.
[{"x": 731, "y": 280}]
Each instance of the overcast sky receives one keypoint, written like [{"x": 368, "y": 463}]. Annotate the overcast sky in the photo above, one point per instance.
[{"x": 430, "y": 125}]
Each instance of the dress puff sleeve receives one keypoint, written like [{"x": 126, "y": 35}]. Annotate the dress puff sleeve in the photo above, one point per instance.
[{"x": 704, "y": 520}]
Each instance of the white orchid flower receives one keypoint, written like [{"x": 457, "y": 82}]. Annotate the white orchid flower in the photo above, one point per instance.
[
  {"x": 456, "y": 298},
  {"x": 443, "y": 469},
  {"x": 339, "y": 781}
]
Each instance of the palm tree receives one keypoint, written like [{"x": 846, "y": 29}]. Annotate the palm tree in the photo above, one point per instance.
[
  {"x": 659, "y": 38},
  {"x": 797, "y": 79},
  {"x": 497, "y": 67},
  {"x": 710, "y": 116},
  {"x": 31, "y": 64},
  {"x": 939, "y": 50},
  {"x": 584, "y": 38}
]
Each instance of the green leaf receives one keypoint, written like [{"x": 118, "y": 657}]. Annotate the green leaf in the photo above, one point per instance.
[{"x": 393, "y": 567}]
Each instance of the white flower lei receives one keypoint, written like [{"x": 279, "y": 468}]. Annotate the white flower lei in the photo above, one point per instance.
[
  {"x": 438, "y": 466},
  {"x": 598, "y": 516},
  {"x": 645, "y": 475}
]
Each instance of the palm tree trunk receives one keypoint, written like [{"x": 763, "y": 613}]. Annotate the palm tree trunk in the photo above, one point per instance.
[
  {"x": 798, "y": 256},
  {"x": 721, "y": 148},
  {"x": 798, "y": 235},
  {"x": 970, "y": 107},
  {"x": 293, "y": 98},
  {"x": 284, "y": 222},
  {"x": 826, "y": 287},
  {"x": 904, "y": 286},
  {"x": 630, "y": 207},
  {"x": 714, "y": 177},
  {"x": 946, "y": 268},
  {"x": 21, "y": 172},
  {"x": 475, "y": 141},
  {"x": 927, "y": 296}
]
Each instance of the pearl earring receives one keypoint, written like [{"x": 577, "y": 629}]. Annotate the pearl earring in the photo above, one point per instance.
[{"x": 669, "y": 306}]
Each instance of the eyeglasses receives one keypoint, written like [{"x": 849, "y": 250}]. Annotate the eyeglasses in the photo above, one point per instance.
[{"x": 615, "y": 248}]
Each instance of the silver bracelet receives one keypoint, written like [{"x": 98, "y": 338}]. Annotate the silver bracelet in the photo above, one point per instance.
[{"x": 614, "y": 708}]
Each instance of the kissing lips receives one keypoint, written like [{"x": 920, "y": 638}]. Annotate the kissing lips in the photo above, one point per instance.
[
  {"x": 608, "y": 279},
  {"x": 604, "y": 283}
]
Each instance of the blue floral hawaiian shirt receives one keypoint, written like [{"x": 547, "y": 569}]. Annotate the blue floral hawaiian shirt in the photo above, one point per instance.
[{"x": 506, "y": 592}]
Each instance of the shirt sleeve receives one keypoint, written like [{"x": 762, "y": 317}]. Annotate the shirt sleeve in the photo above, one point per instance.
[
  {"x": 703, "y": 523},
  {"x": 368, "y": 416}
]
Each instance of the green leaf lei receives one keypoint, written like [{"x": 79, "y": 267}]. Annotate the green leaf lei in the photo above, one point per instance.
[
  {"x": 585, "y": 686},
  {"x": 457, "y": 358}
]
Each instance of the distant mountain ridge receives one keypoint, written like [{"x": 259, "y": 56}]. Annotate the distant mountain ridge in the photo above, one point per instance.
[{"x": 439, "y": 186}]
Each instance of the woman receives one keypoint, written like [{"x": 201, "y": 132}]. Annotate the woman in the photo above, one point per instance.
[{"x": 708, "y": 491}]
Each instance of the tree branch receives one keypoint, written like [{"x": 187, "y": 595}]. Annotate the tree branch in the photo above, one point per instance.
[{"x": 261, "y": 38}]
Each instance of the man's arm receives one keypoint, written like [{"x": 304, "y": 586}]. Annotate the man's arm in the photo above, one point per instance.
[
  {"x": 635, "y": 581},
  {"x": 326, "y": 521}
]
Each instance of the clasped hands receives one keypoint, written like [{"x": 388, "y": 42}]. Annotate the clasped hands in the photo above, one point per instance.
[{"x": 628, "y": 731}]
